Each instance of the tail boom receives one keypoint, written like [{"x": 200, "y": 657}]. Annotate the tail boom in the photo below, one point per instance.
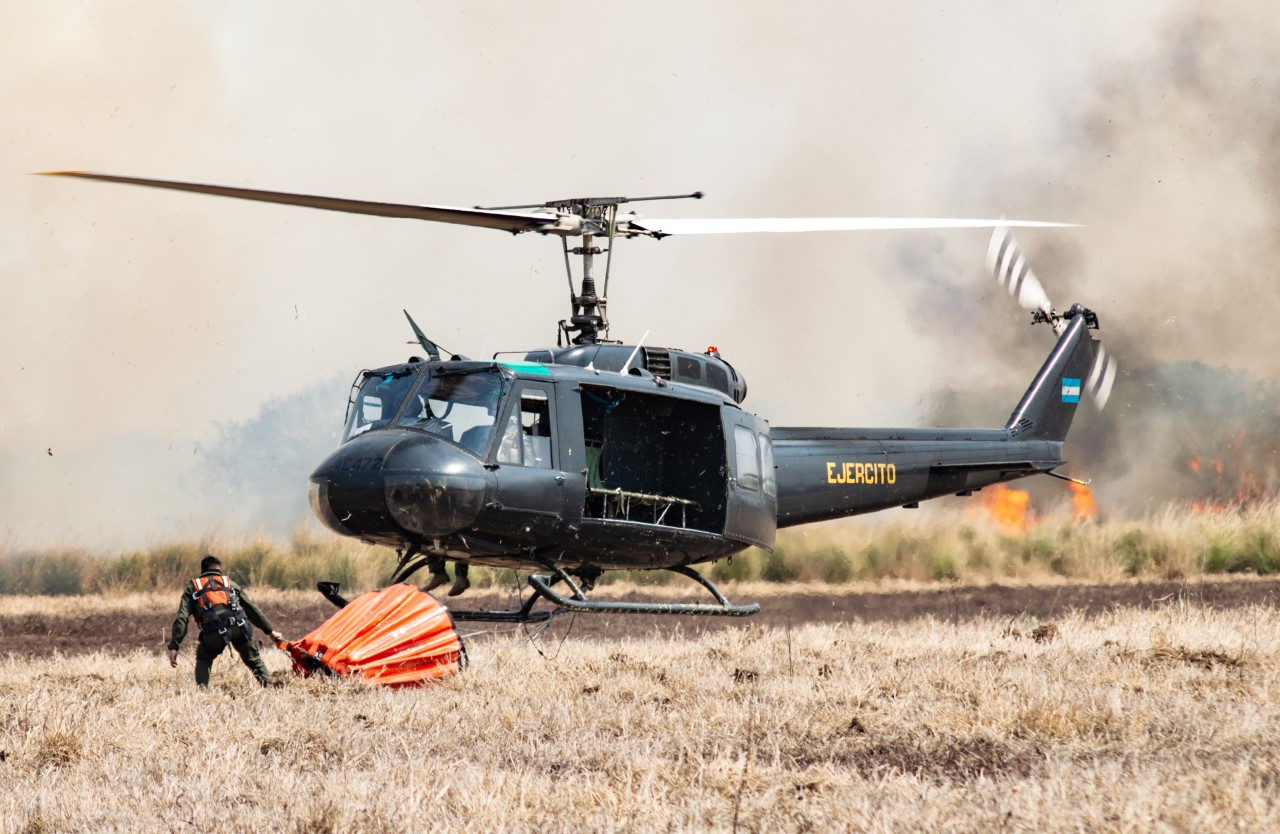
[{"x": 825, "y": 473}]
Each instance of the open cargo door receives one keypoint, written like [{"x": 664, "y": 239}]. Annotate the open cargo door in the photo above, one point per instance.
[{"x": 399, "y": 636}]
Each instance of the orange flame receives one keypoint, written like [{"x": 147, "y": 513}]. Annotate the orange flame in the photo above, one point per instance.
[
  {"x": 1011, "y": 508},
  {"x": 1085, "y": 507},
  {"x": 1229, "y": 482}
]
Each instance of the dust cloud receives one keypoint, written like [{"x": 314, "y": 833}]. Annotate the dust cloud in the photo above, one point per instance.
[{"x": 153, "y": 341}]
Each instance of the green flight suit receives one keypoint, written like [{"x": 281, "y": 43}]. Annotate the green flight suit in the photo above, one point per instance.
[{"x": 216, "y": 633}]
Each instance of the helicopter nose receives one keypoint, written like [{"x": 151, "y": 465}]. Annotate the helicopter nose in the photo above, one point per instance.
[{"x": 386, "y": 484}]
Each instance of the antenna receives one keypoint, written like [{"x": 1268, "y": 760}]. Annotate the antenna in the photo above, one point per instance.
[
  {"x": 636, "y": 350},
  {"x": 432, "y": 349}
]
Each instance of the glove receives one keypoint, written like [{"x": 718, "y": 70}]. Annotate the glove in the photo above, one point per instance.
[
  {"x": 173, "y": 658},
  {"x": 277, "y": 636}
]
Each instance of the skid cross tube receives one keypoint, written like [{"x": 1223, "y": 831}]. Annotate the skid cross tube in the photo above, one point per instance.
[
  {"x": 526, "y": 614},
  {"x": 578, "y": 601}
]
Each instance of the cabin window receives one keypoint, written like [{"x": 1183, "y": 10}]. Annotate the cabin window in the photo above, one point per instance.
[
  {"x": 769, "y": 476},
  {"x": 717, "y": 378},
  {"x": 748, "y": 457},
  {"x": 688, "y": 368},
  {"x": 509, "y": 449},
  {"x": 526, "y": 439}
]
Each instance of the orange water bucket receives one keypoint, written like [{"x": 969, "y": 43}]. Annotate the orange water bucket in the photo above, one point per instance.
[{"x": 399, "y": 636}]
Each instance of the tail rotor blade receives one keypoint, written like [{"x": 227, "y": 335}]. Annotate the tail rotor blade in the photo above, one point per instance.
[
  {"x": 1101, "y": 377},
  {"x": 1013, "y": 272}
]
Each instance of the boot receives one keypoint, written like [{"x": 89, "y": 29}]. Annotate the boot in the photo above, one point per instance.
[
  {"x": 437, "y": 579},
  {"x": 460, "y": 584}
]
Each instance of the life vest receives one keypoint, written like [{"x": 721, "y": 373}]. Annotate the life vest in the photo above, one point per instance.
[{"x": 208, "y": 592}]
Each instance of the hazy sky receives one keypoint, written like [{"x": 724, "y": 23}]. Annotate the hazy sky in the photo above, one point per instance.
[{"x": 137, "y": 322}]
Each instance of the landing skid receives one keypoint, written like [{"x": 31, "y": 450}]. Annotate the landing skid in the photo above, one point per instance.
[{"x": 577, "y": 601}]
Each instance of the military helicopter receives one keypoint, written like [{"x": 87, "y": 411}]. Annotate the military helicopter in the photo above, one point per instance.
[{"x": 598, "y": 455}]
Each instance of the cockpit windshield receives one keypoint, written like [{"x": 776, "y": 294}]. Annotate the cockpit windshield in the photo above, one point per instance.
[
  {"x": 457, "y": 407},
  {"x": 379, "y": 398},
  {"x": 460, "y": 407}
]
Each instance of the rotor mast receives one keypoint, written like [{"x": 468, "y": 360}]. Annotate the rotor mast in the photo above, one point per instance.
[
  {"x": 589, "y": 218},
  {"x": 589, "y": 311},
  {"x": 588, "y": 317}
]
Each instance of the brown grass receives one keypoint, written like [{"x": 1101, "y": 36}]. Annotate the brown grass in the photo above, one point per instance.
[
  {"x": 943, "y": 545},
  {"x": 1133, "y": 721}
]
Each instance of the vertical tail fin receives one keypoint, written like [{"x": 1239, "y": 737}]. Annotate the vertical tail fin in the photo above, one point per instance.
[
  {"x": 1047, "y": 408},
  {"x": 1013, "y": 272}
]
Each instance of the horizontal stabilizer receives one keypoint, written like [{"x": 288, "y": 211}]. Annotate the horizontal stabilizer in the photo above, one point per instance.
[{"x": 998, "y": 466}]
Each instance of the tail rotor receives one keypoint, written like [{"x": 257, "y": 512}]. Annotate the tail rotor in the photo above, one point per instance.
[{"x": 1011, "y": 269}]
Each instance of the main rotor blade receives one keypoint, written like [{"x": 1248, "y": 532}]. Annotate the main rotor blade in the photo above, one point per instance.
[
  {"x": 506, "y": 221},
  {"x": 742, "y": 225}
]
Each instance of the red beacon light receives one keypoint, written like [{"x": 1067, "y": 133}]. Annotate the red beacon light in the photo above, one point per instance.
[{"x": 713, "y": 351}]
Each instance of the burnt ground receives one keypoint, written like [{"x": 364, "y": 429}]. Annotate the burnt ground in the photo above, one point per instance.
[{"x": 122, "y": 632}]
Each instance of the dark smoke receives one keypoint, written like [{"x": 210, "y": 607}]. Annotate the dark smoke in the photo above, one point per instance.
[
  {"x": 1181, "y": 434},
  {"x": 258, "y": 469},
  {"x": 1176, "y": 162}
]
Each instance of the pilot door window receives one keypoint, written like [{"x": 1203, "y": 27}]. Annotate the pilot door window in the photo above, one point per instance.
[
  {"x": 376, "y": 402},
  {"x": 526, "y": 440},
  {"x": 768, "y": 476}
]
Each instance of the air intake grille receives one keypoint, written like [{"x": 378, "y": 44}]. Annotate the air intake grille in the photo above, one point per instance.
[{"x": 658, "y": 362}]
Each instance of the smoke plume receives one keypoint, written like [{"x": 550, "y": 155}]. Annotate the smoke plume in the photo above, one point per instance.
[{"x": 162, "y": 352}]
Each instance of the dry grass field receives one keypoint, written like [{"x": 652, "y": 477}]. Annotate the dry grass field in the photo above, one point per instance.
[
  {"x": 1165, "y": 718},
  {"x": 975, "y": 543}
]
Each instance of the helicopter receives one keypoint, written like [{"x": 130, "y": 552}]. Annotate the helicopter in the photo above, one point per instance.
[{"x": 597, "y": 455}]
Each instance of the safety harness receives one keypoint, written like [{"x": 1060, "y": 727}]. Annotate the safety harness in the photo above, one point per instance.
[{"x": 217, "y": 605}]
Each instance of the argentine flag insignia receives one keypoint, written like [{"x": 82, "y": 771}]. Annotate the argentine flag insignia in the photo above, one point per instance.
[{"x": 1070, "y": 390}]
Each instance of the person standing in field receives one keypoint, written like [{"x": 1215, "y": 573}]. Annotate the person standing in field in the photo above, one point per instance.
[{"x": 221, "y": 609}]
